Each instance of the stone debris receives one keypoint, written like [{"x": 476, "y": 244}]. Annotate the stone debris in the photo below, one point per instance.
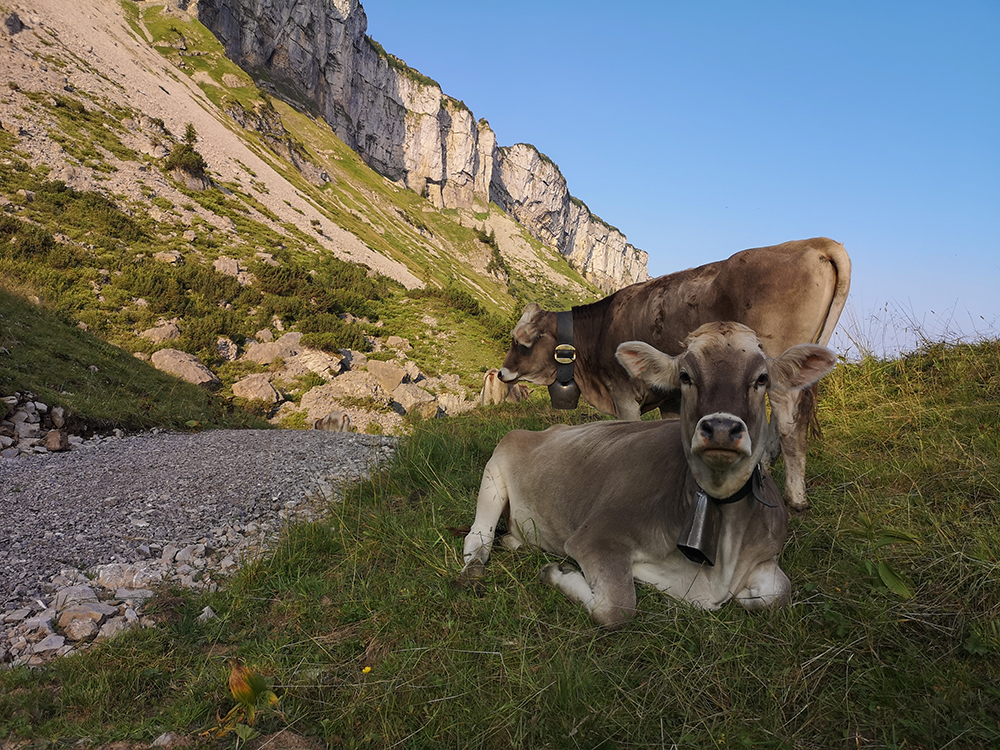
[
  {"x": 28, "y": 425},
  {"x": 77, "y": 608},
  {"x": 141, "y": 511}
]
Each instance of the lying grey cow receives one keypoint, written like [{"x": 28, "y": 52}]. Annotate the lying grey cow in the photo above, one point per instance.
[{"x": 617, "y": 496}]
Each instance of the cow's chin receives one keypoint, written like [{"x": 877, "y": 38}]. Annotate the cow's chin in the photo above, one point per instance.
[
  {"x": 721, "y": 473},
  {"x": 718, "y": 459}
]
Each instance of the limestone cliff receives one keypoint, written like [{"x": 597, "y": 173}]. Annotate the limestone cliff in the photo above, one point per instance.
[{"x": 403, "y": 126}]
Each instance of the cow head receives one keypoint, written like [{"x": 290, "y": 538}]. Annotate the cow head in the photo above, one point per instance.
[
  {"x": 531, "y": 356},
  {"x": 723, "y": 376}
]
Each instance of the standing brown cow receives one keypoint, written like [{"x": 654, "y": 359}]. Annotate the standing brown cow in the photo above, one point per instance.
[{"x": 789, "y": 294}]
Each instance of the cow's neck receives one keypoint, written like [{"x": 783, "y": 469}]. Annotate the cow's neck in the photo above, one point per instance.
[
  {"x": 587, "y": 339},
  {"x": 753, "y": 486}
]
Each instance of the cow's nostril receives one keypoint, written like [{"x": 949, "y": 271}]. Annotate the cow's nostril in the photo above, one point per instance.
[{"x": 721, "y": 431}]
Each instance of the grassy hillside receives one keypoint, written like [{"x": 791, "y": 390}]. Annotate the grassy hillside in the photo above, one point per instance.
[
  {"x": 356, "y": 622},
  {"x": 102, "y": 386},
  {"x": 135, "y": 242}
]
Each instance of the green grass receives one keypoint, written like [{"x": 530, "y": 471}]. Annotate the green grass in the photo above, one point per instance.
[
  {"x": 361, "y": 630},
  {"x": 101, "y": 385}
]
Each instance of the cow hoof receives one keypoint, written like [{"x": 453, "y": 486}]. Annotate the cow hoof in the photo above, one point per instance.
[
  {"x": 551, "y": 574},
  {"x": 798, "y": 508},
  {"x": 473, "y": 571}
]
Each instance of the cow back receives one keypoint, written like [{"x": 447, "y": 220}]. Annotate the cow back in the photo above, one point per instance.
[{"x": 786, "y": 293}]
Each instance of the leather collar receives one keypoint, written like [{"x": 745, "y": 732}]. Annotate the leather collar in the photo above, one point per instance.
[{"x": 754, "y": 486}]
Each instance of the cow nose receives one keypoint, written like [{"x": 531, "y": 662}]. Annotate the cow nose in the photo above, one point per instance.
[{"x": 721, "y": 431}]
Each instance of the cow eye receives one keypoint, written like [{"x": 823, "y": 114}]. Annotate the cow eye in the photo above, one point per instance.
[
  {"x": 762, "y": 381},
  {"x": 684, "y": 378}
]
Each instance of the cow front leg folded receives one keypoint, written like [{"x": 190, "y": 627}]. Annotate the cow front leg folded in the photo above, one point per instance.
[
  {"x": 766, "y": 586},
  {"x": 605, "y": 588}
]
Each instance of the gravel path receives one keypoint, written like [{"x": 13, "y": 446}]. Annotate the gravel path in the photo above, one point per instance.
[{"x": 102, "y": 503}]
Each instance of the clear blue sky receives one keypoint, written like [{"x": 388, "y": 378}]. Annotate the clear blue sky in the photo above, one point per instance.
[{"x": 703, "y": 128}]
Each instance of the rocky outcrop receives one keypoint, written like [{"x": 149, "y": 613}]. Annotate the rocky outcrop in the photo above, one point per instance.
[
  {"x": 185, "y": 366},
  {"x": 530, "y": 187},
  {"x": 404, "y": 127}
]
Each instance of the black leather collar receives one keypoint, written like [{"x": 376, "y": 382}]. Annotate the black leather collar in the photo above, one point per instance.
[
  {"x": 754, "y": 486},
  {"x": 563, "y": 391},
  {"x": 565, "y": 354}
]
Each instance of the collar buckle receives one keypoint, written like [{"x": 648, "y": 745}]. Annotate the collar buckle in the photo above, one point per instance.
[{"x": 565, "y": 354}]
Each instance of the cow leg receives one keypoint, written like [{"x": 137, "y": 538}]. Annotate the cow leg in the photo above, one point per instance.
[
  {"x": 605, "y": 587},
  {"x": 791, "y": 436},
  {"x": 492, "y": 502},
  {"x": 766, "y": 586}
]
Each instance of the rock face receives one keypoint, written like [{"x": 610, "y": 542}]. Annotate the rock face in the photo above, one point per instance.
[{"x": 404, "y": 127}]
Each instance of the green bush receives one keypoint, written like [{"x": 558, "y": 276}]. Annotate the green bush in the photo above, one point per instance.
[
  {"x": 22, "y": 240},
  {"x": 85, "y": 213},
  {"x": 183, "y": 156},
  {"x": 158, "y": 284},
  {"x": 201, "y": 332},
  {"x": 331, "y": 341}
]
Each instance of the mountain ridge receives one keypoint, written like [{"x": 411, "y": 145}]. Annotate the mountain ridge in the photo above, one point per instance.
[{"x": 405, "y": 127}]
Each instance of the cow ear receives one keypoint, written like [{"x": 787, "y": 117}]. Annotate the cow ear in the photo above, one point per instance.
[
  {"x": 526, "y": 331},
  {"x": 649, "y": 364},
  {"x": 801, "y": 366}
]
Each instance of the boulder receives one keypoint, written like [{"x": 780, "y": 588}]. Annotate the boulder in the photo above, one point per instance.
[
  {"x": 185, "y": 366},
  {"x": 114, "y": 576},
  {"x": 56, "y": 440},
  {"x": 227, "y": 349},
  {"x": 389, "y": 375},
  {"x": 161, "y": 333},
  {"x": 286, "y": 347},
  {"x": 13, "y": 24},
  {"x": 320, "y": 363},
  {"x": 73, "y": 595},
  {"x": 397, "y": 342},
  {"x": 353, "y": 385},
  {"x": 232, "y": 267},
  {"x": 415, "y": 400},
  {"x": 172, "y": 257},
  {"x": 256, "y": 388}
]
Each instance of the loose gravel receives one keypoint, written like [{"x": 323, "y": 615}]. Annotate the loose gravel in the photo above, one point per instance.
[{"x": 111, "y": 500}]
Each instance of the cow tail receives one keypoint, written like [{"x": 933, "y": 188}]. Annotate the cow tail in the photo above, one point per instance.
[
  {"x": 840, "y": 261},
  {"x": 807, "y": 413}
]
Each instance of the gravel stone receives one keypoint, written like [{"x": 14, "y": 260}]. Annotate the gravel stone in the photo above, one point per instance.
[{"x": 125, "y": 500}]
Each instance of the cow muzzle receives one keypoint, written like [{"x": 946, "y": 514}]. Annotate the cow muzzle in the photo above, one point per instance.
[{"x": 720, "y": 440}]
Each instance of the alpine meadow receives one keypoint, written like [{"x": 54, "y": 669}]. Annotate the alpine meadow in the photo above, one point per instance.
[{"x": 170, "y": 183}]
